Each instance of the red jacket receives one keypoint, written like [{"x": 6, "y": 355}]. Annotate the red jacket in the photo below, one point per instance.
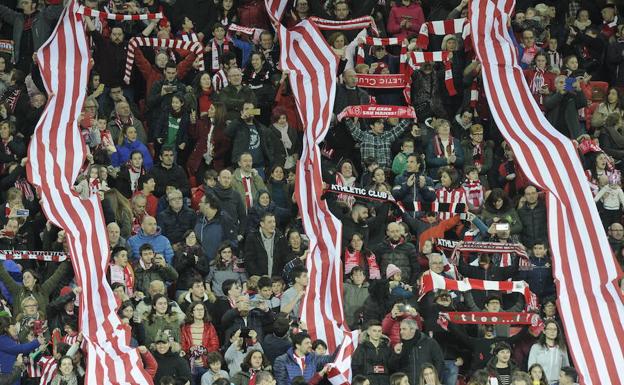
[
  {"x": 413, "y": 13},
  {"x": 391, "y": 326},
  {"x": 152, "y": 74},
  {"x": 149, "y": 363},
  {"x": 284, "y": 99},
  {"x": 221, "y": 144},
  {"x": 210, "y": 339}
]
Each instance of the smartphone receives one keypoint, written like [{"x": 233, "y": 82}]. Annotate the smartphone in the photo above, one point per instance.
[
  {"x": 569, "y": 84},
  {"x": 254, "y": 112},
  {"x": 22, "y": 213},
  {"x": 502, "y": 227}
]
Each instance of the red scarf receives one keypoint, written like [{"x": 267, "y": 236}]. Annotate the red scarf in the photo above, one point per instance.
[
  {"x": 353, "y": 259},
  {"x": 225, "y": 47},
  {"x": 440, "y": 150},
  {"x": 477, "y": 154}
]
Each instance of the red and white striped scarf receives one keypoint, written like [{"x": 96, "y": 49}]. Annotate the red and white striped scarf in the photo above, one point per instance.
[
  {"x": 345, "y": 25},
  {"x": 25, "y": 255},
  {"x": 219, "y": 80},
  {"x": 431, "y": 281},
  {"x": 216, "y": 53},
  {"x": 415, "y": 59},
  {"x": 474, "y": 93},
  {"x": 48, "y": 367},
  {"x": 442, "y": 151},
  {"x": 253, "y": 33},
  {"x": 353, "y": 259},
  {"x": 474, "y": 193},
  {"x": 115, "y": 16},
  {"x": 193, "y": 46},
  {"x": 505, "y": 249},
  {"x": 442, "y": 27}
]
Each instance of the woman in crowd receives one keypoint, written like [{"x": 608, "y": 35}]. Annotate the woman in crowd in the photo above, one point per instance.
[
  {"x": 258, "y": 76},
  {"x": 254, "y": 362},
  {"x": 198, "y": 338},
  {"x": 67, "y": 373},
  {"x": 429, "y": 375},
  {"x": 162, "y": 320},
  {"x": 550, "y": 351},
  {"x": 225, "y": 266},
  {"x": 128, "y": 144},
  {"x": 279, "y": 189},
  {"x": 356, "y": 254},
  {"x": 286, "y": 141},
  {"x": 173, "y": 126},
  {"x": 263, "y": 205},
  {"x": 537, "y": 375},
  {"x": 211, "y": 144},
  {"x": 189, "y": 261},
  {"x": 121, "y": 209},
  {"x": 10, "y": 348},
  {"x": 498, "y": 206},
  {"x": 612, "y": 104}
]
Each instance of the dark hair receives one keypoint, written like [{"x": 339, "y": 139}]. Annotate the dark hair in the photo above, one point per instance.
[
  {"x": 171, "y": 64},
  {"x": 544, "y": 380},
  {"x": 264, "y": 282},
  {"x": 246, "y": 364},
  {"x": 124, "y": 305},
  {"x": 167, "y": 380},
  {"x": 227, "y": 57},
  {"x": 266, "y": 214},
  {"x": 495, "y": 195},
  {"x": 559, "y": 340},
  {"x": 5, "y": 323},
  {"x": 211, "y": 174},
  {"x": 189, "y": 313},
  {"x": 117, "y": 250},
  {"x": 19, "y": 77},
  {"x": 298, "y": 339},
  {"x": 395, "y": 378},
  {"x": 218, "y": 262},
  {"x": 143, "y": 179},
  {"x": 281, "y": 326},
  {"x": 144, "y": 247},
  {"x": 493, "y": 297},
  {"x": 212, "y": 201},
  {"x": 570, "y": 372},
  {"x": 152, "y": 313},
  {"x": 167, "y": 147},
  {"x": 346, "y": 160},
  {"x": 297, "y": 272},
  {"x": 227, "y": 285},
  {"x": 452, "y": 173},
  {"x": 318, "y": 343},
  {"x": 372, "y": 322},
  {"x": 277, "y": 278},
  {"x": 369, "y": 161},
  {"x": 213, "y": 357}
]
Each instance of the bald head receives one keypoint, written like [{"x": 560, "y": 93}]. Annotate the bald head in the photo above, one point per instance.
[
  {"x": 394, "y": 231},
  {"x": 148, "y": 225}
]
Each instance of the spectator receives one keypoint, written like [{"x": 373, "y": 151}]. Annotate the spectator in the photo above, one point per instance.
[
  {"x": 532, "y": 214},
  {"x": 414, "y": 350},
  {"x": 372, "y": 355},
  {"x": 291, "y": 299},
  {"x": 177, "y": 219},
  {"x": 537, "y": 375},
  {"x": 170, "y": 363},
  {"x": 212, "y": 145},
  {"x": 235, "y": 354},
  {"x": 443, "y": 150},
  {"x": 355, "y": 292},
  {"x": 151, "y": 266},
  {"x": 214, "y": 372},
  {"x": 173, "y": 126},
  {"x": 9, "y": 349},
  {"x": 377, "y": 142},
  {"x": 248, "y": 135},
  {"x": 133, "y": 168},
  {"x": 539, "y": 274},
  {"x": 263, "y": 205},
  {"x": 498, "y": 207},
  {"x": 150, "y": 234},
  {"x": 254, "y": 363},
  {"x": 235, "y": 94},
  {"x": 168, "y": 173},
  {"x": 265, "y": 249},
  {"x": 159, "y": 98},
  {"x": 397, "y": 250},
  {"x": 285, "y": 140},
  {"x": 562, "y": 105},
  {"x": 247, "y": 181},
  {"x": 189, "y": 261},
  {"x": 500, "y": 366},
  {"x": 568, "y": 376},
  {"x": 213, "y": 227},
  {"x": 197, "y": 323},
  {"x": 298, "y": 361},
  {"x": 225, "y": 267}
]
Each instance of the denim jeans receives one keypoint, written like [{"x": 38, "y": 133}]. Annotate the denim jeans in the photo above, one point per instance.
[{"x": 450, "y": 373}]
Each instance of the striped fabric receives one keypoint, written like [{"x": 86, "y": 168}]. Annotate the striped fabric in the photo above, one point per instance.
[
  {"x": 585, "y": 271},
  {"x": 312, "y": 66},
  {"x": 442, "y": 27},
  {"x": 116, "y": 16},
  {"x": 57, "y": 153},
  {"x": 444, "y": 195},
  {"x": 341, "y": 25},
  {"x": 44, "y": 256},
  {"x": 193, "y": 46}
]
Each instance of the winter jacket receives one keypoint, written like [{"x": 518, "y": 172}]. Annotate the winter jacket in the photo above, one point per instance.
[
  {"x": 354, "y": 298},
  {"x": 42, "y": 26},
  {"x": 210, "y": 340},
  {"x": 217, "y": 276},
  {"x": 173, "y": 225},
  {"x": 371, "y": 361},
  {"x": 171, "y": 364},
  {"x": 615, "y": 63},
  {"x": 412, "y": 13},
  {"x": 232, "y": 203},
  {"x": 152, "y": 74},
  {"x": 539, "y": 277},
  {"x": 493, "y": 273},
  {"x": 282, "y": 215},
  {"x": 534, "y": 223},
  {"x": 280, "y": 152},
  {"x": 562, "y": 112},
  {"x": 122, "y": 155},
  {"x": 275, "y": 346},
  {"x": 12, "y": 151},
  {"x": 143, "y": 277},
  {"x": 241, "y": 137},
  {"x": 257, "y": 259},
  {"x": 372, "y": 229},
  {"x": 221, "y": 144},
  {"x": 488, "y": 214},
  {"x": 186, "y": 266},
  {"x": 162, "y": 128},
  {"x": 414, "y": 193},
  {"x": 391, "y": 327},
  {"x": 403, "y": 255},
  {"x": 211, "y": 232},
  {"x": 415, "y": 353},
  {"x": 56, "y": 314},
  {"x": 435, "y": 162},
  {"x": 234, "y": 357},
  {"x": 9, "y": 349},
  {"x": 286, "y": 368},
  {"x": 41, "y": 291},
  {"x": 487, "y": 155},
  {"x": 174, "y": 176},
  {"x": 159, "y": 242},
  {"x": 169, "y": 322},
  {"x": 257, "y": 184},
  {"x": 234, "y": 99}
]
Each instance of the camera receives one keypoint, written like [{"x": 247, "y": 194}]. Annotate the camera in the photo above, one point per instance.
[{"x": 502, "y": 227}]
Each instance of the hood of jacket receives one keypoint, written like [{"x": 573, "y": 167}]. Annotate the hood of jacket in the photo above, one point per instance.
[{"x": 141, "y": 234}]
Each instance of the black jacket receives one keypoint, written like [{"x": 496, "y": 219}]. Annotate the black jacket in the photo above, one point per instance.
[
  {"x": 403, "y": 255},
  {"x": 186, "y": 266},
  {"x": 56, "y": 314},
  {"x": 256, "y": 258},
  {"x": 415, "y": 353},
  {"x": 275, "y": 346},
  {"x": 240, "y": 134},
  {"x": 232, "y": 203},
  {"x": 171, "y": 364},
  {"x": 372, "y": 362},
  {"x": 173, "y": 225},
  {"x": 493, "y": 273},
  {"x": 256, "y": 320},
  {"x": 175, "y": 176},
  {"x": 534, "y": 223}
]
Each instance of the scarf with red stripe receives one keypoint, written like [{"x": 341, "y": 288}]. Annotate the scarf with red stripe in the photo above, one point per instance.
[
  {"x": 442, "y": 27},
  {"x": 474, "y": 193},
  {"x": 345, "y": 25},
  {"x": 500, "y": 318},
  {"x": 370, "y": 111},
  {"x": 474, "y": 93},
  {"x": 353, "y": 259},
  {"x": 225, "y": 48},
  {"x": 431, "y": 281},
  {"x": 45, "y": 256},
  {"x": 442, "y": 151},
  {"x": 505, "y": 249}
]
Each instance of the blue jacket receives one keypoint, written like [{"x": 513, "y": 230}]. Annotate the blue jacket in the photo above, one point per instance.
[
  {"x": 286, "y": 368},
  {"x": 539, "y": 277},
  {"x": 414, "y": 193},
  {"x": 211, "y": 233},
  {"x": 9, "y": 349},
  {"x": 122, "y": 155},
  {"x": 159, "y": 242}
]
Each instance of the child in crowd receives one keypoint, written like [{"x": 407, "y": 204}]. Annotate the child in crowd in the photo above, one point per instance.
[{"x": 398, "y": 288}]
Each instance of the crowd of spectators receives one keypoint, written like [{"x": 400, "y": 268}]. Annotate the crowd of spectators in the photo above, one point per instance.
[{"x": 195, "y": 171}]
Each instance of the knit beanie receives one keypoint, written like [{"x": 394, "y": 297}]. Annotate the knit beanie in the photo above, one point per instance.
[{"x": 391, "y": 270}]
